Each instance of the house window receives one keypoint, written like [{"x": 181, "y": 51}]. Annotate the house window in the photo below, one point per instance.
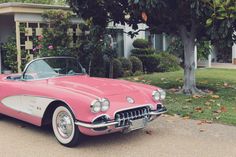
[{"x": 117, "y": 39}]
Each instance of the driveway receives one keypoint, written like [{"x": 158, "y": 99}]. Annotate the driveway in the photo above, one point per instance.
[
  {"x": 166, "y": 137},
  {"x": 223, "y": 66}
]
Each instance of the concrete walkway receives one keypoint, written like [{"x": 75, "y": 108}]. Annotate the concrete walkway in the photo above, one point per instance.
[
  {"x": 223, "y": 65},
  {"x": 166, "y": 137}
]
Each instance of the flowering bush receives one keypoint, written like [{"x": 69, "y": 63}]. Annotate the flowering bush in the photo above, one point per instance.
[{"x": 55, "y": 40}]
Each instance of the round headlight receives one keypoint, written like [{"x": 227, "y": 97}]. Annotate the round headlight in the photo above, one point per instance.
[
  {"x": 105, "y": 105},
  {"x": 96, "y": 106},
  {"x": 156, "y": 95},
  {"x": 163, "y": 94}
]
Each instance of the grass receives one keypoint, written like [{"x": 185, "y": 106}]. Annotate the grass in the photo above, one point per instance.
[{"x": 217, "y": 106}]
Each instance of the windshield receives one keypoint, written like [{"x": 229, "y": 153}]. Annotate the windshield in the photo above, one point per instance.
[{"x": 52, "y": 67}]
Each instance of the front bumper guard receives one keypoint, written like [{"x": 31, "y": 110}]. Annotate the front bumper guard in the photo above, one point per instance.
[{"x": 112, "y": 123}]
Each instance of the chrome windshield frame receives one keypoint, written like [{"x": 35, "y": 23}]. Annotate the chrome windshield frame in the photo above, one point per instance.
[{"x": 43, "y": 58}]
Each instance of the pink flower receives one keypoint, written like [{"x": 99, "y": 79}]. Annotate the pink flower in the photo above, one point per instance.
[
  {"x": 39, "y": 46},
  {"x": 34, "y": 49},
  {"x": 50, "y": 47},
  {"x": 40, "y": 38}
]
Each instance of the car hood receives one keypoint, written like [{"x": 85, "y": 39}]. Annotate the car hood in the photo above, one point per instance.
[{"x": 100, "y": 87}]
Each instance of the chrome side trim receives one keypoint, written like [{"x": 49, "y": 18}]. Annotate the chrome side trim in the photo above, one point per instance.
[
  {"x": 27, "y": 65},
  {"x": 37, "y": 59}
]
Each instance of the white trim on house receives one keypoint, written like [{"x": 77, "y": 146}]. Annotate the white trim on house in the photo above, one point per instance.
[
  {"x": 233, "y": 53},
  {"x": 195, "y": 55},
  {"x": 33, "y": 5},
  {"x": 28, "y": 17},
  {"x": 22, "y": 17},
  {"x": 164, "y": 42}
]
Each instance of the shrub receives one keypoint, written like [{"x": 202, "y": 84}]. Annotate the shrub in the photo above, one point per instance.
[
  {"x": 162, "y": 62},
  {"x": 141, "y": 43},
  {"x": 117, "y": 68},
  {"x": 10, "y": 55},
  {"x": 150, "y": 62},
  {"x": 127, "y": 73},
  {"x": 138, "y": 73},
  {"x": 97, "y": 65},
  {"x": 168, "y": 62},
  {"x": 146, "y": 51},
  {"x": 126, "y": 64},
  {"x": 137, "y": 64}
]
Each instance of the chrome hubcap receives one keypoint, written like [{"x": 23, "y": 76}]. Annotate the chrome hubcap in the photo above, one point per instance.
[{"x": 64, "y": 124}]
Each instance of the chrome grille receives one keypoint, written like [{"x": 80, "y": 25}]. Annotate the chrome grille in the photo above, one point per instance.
[{"x": 124, "y": 117}]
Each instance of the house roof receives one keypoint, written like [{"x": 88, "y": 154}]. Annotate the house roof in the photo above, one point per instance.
[{"x": 16, "y": 7}]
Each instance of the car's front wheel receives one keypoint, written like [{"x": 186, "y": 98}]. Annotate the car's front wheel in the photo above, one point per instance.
[
  {"x": 64, "y": 128},
  {"x": 1, "y": 116}
]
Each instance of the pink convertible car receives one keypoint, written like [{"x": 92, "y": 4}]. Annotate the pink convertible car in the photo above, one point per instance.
[{"x": 57, "y": 91}]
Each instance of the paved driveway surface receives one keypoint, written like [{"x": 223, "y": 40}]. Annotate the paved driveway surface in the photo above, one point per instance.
[{"x": 166, "y": 137}]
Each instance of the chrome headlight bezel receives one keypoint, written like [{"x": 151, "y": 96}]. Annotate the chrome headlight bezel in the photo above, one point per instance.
[
  {"x": 100, "y": 105},
  {"x": 96, "y": 106},
  {"x": 163, "y": 94},
  {"x": 158, "y": 95},
  {"x": 105, "y": 104}
]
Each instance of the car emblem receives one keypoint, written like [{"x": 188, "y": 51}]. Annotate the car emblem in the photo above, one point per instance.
[{"x": 130, "y": 100}]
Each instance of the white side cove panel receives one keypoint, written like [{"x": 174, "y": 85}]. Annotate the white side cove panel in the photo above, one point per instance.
[{"x": 32, "y": 105}]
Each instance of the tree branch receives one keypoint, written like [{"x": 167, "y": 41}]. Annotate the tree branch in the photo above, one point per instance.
[{"x": 135, "y": 32}]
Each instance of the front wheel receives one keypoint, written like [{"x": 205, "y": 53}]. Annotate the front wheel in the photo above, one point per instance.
[
  {"x": 64, "y": 128},
  {"x": 1, "y": 116}
]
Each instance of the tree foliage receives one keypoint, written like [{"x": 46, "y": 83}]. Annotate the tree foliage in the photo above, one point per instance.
[
  {"x": 60, "y": 2},
  {"x": 186, "y": 19}
]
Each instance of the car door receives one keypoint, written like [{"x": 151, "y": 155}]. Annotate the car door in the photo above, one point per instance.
[
  {"x": 23, "y": 100},
  {"x": 10, "y": 96}
]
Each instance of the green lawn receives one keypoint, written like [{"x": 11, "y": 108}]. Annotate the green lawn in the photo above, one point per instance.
[{"x": 218, "y": 106}]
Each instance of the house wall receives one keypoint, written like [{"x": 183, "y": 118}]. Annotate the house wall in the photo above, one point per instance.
[{"x": 128, "y": 41}]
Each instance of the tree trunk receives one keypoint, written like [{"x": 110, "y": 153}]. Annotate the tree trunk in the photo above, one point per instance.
[
  {"x": 90, "y": 66},
  {"x": 188, "y": 39},
  {"x": 111, "y": 69}
]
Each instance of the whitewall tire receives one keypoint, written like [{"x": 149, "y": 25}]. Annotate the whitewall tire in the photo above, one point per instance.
[{"x": 64, "y": 128}]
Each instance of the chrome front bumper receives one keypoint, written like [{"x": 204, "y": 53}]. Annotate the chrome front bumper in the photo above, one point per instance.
[{"x": 153, "y": 115}]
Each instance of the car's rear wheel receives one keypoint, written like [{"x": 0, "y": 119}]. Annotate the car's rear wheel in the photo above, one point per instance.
[{"x": 64, "y": 128}]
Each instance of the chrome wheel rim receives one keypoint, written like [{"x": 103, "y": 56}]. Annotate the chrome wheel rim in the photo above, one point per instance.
[{"x": 64, "y": 124}]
